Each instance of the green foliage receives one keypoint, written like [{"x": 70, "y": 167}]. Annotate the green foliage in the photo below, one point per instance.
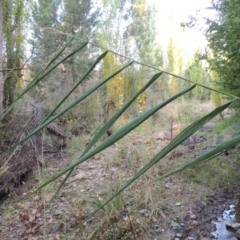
[
  {"x": 79, "y": 16},
  {"x": 209, "y": 172},
  {"x": 14, "y": 18},
  {"x": 95, "y": 147},
  {"x": 198, "y": 75},
  {"x": 223, "y": 36},
  {"x": 44, "y": 14},
  {"x": 141, "y": 43},
  {"x": 73, "y": 53},
  {"x": 52, "y": 21},
  {"x": 216, "y": 97},
  {"x": 136, "y": 31},
  {"x": 142, "y": 31}
]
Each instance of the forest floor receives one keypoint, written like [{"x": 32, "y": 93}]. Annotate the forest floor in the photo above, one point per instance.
[{"x": 183, "y": 206}]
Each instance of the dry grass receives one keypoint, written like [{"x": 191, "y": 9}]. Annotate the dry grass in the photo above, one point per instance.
[{"x": 147, "y": 209}]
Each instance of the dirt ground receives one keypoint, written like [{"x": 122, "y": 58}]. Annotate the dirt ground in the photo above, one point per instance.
[
  {"x": 179, "y": 211},
  {"x": 199, "y": 224}
]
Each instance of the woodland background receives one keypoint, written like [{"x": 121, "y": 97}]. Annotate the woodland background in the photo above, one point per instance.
[{"x": 54, "y": 53}]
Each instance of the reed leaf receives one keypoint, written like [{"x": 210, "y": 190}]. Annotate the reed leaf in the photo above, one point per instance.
[
  {"x": 78, "y": 100},
  {"x": 123, "y": 131},
  {"x": 44, "y": 73},
  {"x": 205, "y": 156},
  {"x": 77, "y": 84},
  {"x": 115, "y": 117},
  {"x": 172, "y": 145},
  {"x": 109, "y": 123},
  {"x": 117, "y": 135}
]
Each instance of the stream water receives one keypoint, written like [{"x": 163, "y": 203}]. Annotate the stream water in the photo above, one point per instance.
[
  {"x": 221, "y": 232},
  {"x": 232, "y": 214}
]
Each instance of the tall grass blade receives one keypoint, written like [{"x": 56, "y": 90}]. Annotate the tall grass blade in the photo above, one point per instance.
[
  {"x": 108, "y": 124},
  {"x": 178, "y": 140},
  {"x": 44, "y": 73},
  {"x": 90, "y": 91},
  {"x": 115, "y": 117},
  {"x": 173, "y": 144},
  {"x": 77, "y": 84},
  {"x": 118, "y": 135},
  {"x": 205, "y": 156},
  {"x": 51, "y": 68}
]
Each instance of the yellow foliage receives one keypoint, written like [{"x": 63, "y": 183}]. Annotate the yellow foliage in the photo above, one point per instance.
[
  {"x": 140, "y": 9},
  {"x": 216, "y": 97},
  {"x": 115, "y": 87},
  {"x": 173, "y": 85},
  {"x": 20, "y": 84},
  {"x": 2, "y": 171}
]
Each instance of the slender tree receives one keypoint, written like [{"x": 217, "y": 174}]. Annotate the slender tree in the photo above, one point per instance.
[
  {"x": 13, "y": 18},
  {"x": 140, "y": 34},
  {"x": 45, "y": 40},
  {"x": 110, "y": 36},
  {"x": 79, "y": 19},
  {"x": 1, "y": 61},
  {"x": 140, "y": 43},
  {"x": 46, "y": 18}
]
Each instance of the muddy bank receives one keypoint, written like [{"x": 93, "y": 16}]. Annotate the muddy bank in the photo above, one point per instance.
[{"x": 198, "y": 224}]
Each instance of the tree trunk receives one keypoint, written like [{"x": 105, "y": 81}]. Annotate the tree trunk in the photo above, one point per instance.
[{"x": 1, "y": 65}]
